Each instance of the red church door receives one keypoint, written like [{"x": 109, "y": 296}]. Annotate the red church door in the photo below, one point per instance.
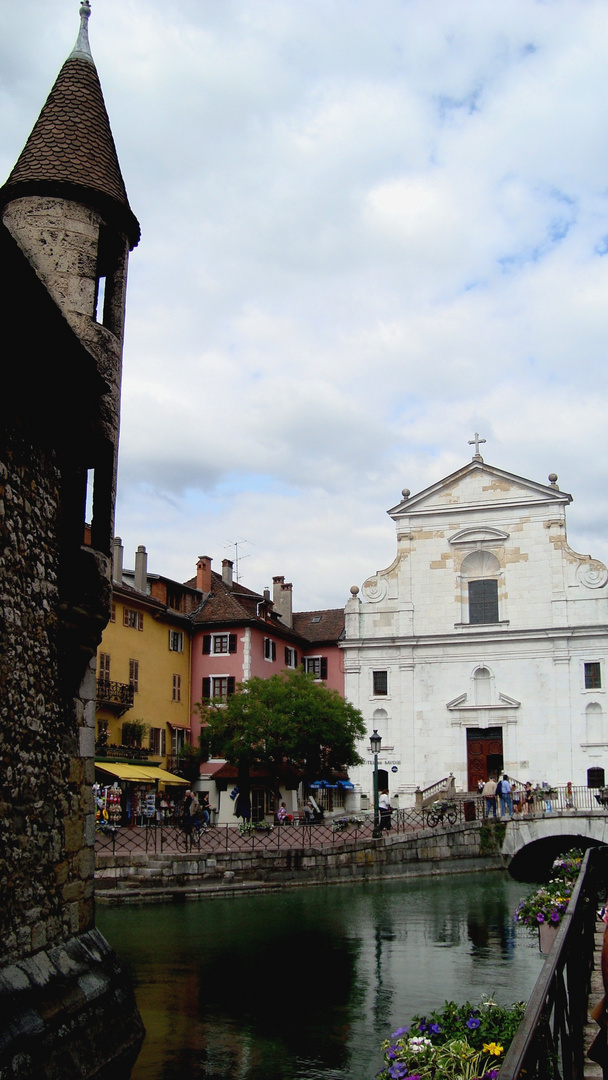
[{"x": 484, "y": 755}]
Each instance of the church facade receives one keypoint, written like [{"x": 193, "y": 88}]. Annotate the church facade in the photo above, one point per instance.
[{"x": 483, "y": 646}]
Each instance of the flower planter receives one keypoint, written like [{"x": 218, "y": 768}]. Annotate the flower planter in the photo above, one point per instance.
[{"x": 546, "y": 936}]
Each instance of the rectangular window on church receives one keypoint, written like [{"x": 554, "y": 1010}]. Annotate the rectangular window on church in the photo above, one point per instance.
[
  {"x": 593, "y": 676},
  {"x": 380, "y": 683},
  {"x": 483, "y": 601}
]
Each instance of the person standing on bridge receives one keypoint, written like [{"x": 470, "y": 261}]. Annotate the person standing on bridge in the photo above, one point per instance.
[
  {"x": 489, "y": 793},
  {"x": 506, "y": 800}
]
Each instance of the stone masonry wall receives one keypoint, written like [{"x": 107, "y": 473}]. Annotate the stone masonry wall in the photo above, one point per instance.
[{"x": 46, "y": 857}]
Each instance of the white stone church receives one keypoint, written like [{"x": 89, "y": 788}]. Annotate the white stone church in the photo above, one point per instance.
[{"x": 483, "y": 646}]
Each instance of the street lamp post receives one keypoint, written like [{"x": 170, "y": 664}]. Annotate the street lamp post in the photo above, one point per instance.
[{"x": 375, "y": 742}]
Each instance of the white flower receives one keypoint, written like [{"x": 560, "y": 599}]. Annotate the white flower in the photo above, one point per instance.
[{"x": 418, "y": 1044}]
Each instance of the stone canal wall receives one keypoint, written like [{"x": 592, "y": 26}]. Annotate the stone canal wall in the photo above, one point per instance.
[{"x": 141, "y": 878}]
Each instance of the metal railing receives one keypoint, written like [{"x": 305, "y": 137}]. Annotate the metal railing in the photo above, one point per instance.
[
  {"x": 549, "y": 1041},
  {"x": 170, "y": 836},
  {"x": 115, "y": 694}
]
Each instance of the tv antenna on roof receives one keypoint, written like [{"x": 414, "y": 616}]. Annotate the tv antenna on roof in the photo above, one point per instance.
[{"x": 237, "y": 557}]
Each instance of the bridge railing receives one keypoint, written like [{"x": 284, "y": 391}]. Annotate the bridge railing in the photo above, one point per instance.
[{"x": 549, "y": 1041}]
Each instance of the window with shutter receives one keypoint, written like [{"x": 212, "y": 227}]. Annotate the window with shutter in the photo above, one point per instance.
[
  {"x": 134, "y": 675},
  {"x": 206, "y": 644},
  {"x": 132, "y": 618},
  {"x": 316, "y": 665}
]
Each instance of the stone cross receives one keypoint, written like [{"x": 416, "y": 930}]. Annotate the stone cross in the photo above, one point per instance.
[{"x": 476, "y": 441}]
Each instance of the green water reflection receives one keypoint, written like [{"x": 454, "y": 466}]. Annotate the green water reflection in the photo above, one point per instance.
[{"x": 304, "y": 984}]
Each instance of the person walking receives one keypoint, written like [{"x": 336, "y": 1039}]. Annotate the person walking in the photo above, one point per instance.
[{"x": 489, "y": 793}]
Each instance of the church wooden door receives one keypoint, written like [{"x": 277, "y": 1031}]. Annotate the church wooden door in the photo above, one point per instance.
[{"x": 484, "y": 755}]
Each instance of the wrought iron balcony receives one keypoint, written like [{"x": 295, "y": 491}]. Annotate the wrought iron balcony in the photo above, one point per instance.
[{"x": 114, "y": 695}]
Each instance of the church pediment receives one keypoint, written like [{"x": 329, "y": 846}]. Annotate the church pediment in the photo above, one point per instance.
[{"x": 478, "y": 485}]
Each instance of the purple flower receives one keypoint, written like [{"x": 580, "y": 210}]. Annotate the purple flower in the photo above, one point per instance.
[
  {"x": 400, "y": 1031},
  {"x": 422, "y": 1026},
  {"x": 434, "y": 1029},
  {"x": 554, "y": 916},
  {"x": 491, "y": 1075},
  {"x": 398, "y": 1071},
  {"x": 540, "y": 917},
  {"x": 473, "y": 1022}
]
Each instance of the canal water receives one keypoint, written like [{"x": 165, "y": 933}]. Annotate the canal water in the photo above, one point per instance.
[{"x": 305, "y": 984}]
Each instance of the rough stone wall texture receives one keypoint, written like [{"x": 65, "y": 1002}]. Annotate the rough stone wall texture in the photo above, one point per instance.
[
  {"x": 72, "y": 996},
  {"x": 45, "y": 861}
]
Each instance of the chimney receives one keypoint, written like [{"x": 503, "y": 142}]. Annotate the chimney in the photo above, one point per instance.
[
  {"x": 282, "y": 599},
  {"x": 141, "y": 569},
  {"x": 267, "y": 594},
  {"x": 227, "y": 572},
  {"x": 117, "y": 556},
  {"x": 203, "y": 573}
]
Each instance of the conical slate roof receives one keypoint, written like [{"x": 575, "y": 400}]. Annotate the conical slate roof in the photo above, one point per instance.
[{"x": 70, "y": 152}]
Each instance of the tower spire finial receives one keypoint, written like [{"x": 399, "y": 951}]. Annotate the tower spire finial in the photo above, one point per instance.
[{"x": 82, "y": 49}]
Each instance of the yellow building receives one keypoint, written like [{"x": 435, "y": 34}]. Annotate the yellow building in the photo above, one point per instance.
[{"x": 143, "y": 670}]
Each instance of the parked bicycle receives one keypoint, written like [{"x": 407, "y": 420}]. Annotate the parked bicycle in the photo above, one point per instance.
[{"x": 440, "y": 812}]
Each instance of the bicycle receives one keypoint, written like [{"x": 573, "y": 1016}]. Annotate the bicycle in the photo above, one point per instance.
[{"x": 440, "y": 812}]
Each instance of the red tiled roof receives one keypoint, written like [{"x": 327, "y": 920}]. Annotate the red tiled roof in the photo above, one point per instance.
[
  {"x": 228, "y": 603},
  {"x": 235, "y": 604},
  {"x": 317, "y": 626},
  {"x": 71, "y": 153}
]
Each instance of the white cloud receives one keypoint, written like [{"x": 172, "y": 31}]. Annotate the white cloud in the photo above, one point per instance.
[{"x": 367, "y": 232}]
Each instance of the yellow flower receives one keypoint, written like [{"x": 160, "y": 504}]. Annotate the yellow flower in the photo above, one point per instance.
[{"x": 493, "y": 1048}]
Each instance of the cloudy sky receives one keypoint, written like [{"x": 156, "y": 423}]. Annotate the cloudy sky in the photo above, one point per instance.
[{"x": 370, "y": 228}]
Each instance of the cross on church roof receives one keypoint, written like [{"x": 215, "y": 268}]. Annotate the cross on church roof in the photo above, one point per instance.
[{"x": 476, "y": 441}]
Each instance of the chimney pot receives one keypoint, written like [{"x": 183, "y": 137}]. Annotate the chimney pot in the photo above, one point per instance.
[
  {"x": 203, "y": 573},
  {"x": 282, "y": 599},
  {"x": 141, "y": 569},
  {"x": 117, "y": 557},
  {"x": 227, "y": 572}
]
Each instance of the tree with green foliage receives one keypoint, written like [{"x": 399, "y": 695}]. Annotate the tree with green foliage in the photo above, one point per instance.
[{"x": 288, "y": 720}]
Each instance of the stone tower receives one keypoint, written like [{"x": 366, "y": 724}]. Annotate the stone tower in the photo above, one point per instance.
[{"x": 65, "y": 234}]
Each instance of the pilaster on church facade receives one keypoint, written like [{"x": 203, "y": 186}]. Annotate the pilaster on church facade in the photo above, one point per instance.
[{"x": 482, "y": 647}]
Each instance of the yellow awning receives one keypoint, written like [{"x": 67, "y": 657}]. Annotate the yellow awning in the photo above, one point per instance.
[
  {"x": 146, "y": 774},
  {"x": 168, "y": 777}
]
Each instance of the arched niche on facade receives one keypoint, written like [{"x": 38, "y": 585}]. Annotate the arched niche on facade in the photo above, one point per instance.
[{"x": 594, "y": 723}]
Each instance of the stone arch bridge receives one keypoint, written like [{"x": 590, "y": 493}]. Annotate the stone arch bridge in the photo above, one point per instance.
[{"x": 531, "y": 843}]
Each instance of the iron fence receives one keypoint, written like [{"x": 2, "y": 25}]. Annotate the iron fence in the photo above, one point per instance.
[{"x": 170, "y": 836}]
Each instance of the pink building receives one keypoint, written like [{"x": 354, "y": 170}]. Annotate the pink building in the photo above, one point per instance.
[{"x": 239, "y": 634}]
